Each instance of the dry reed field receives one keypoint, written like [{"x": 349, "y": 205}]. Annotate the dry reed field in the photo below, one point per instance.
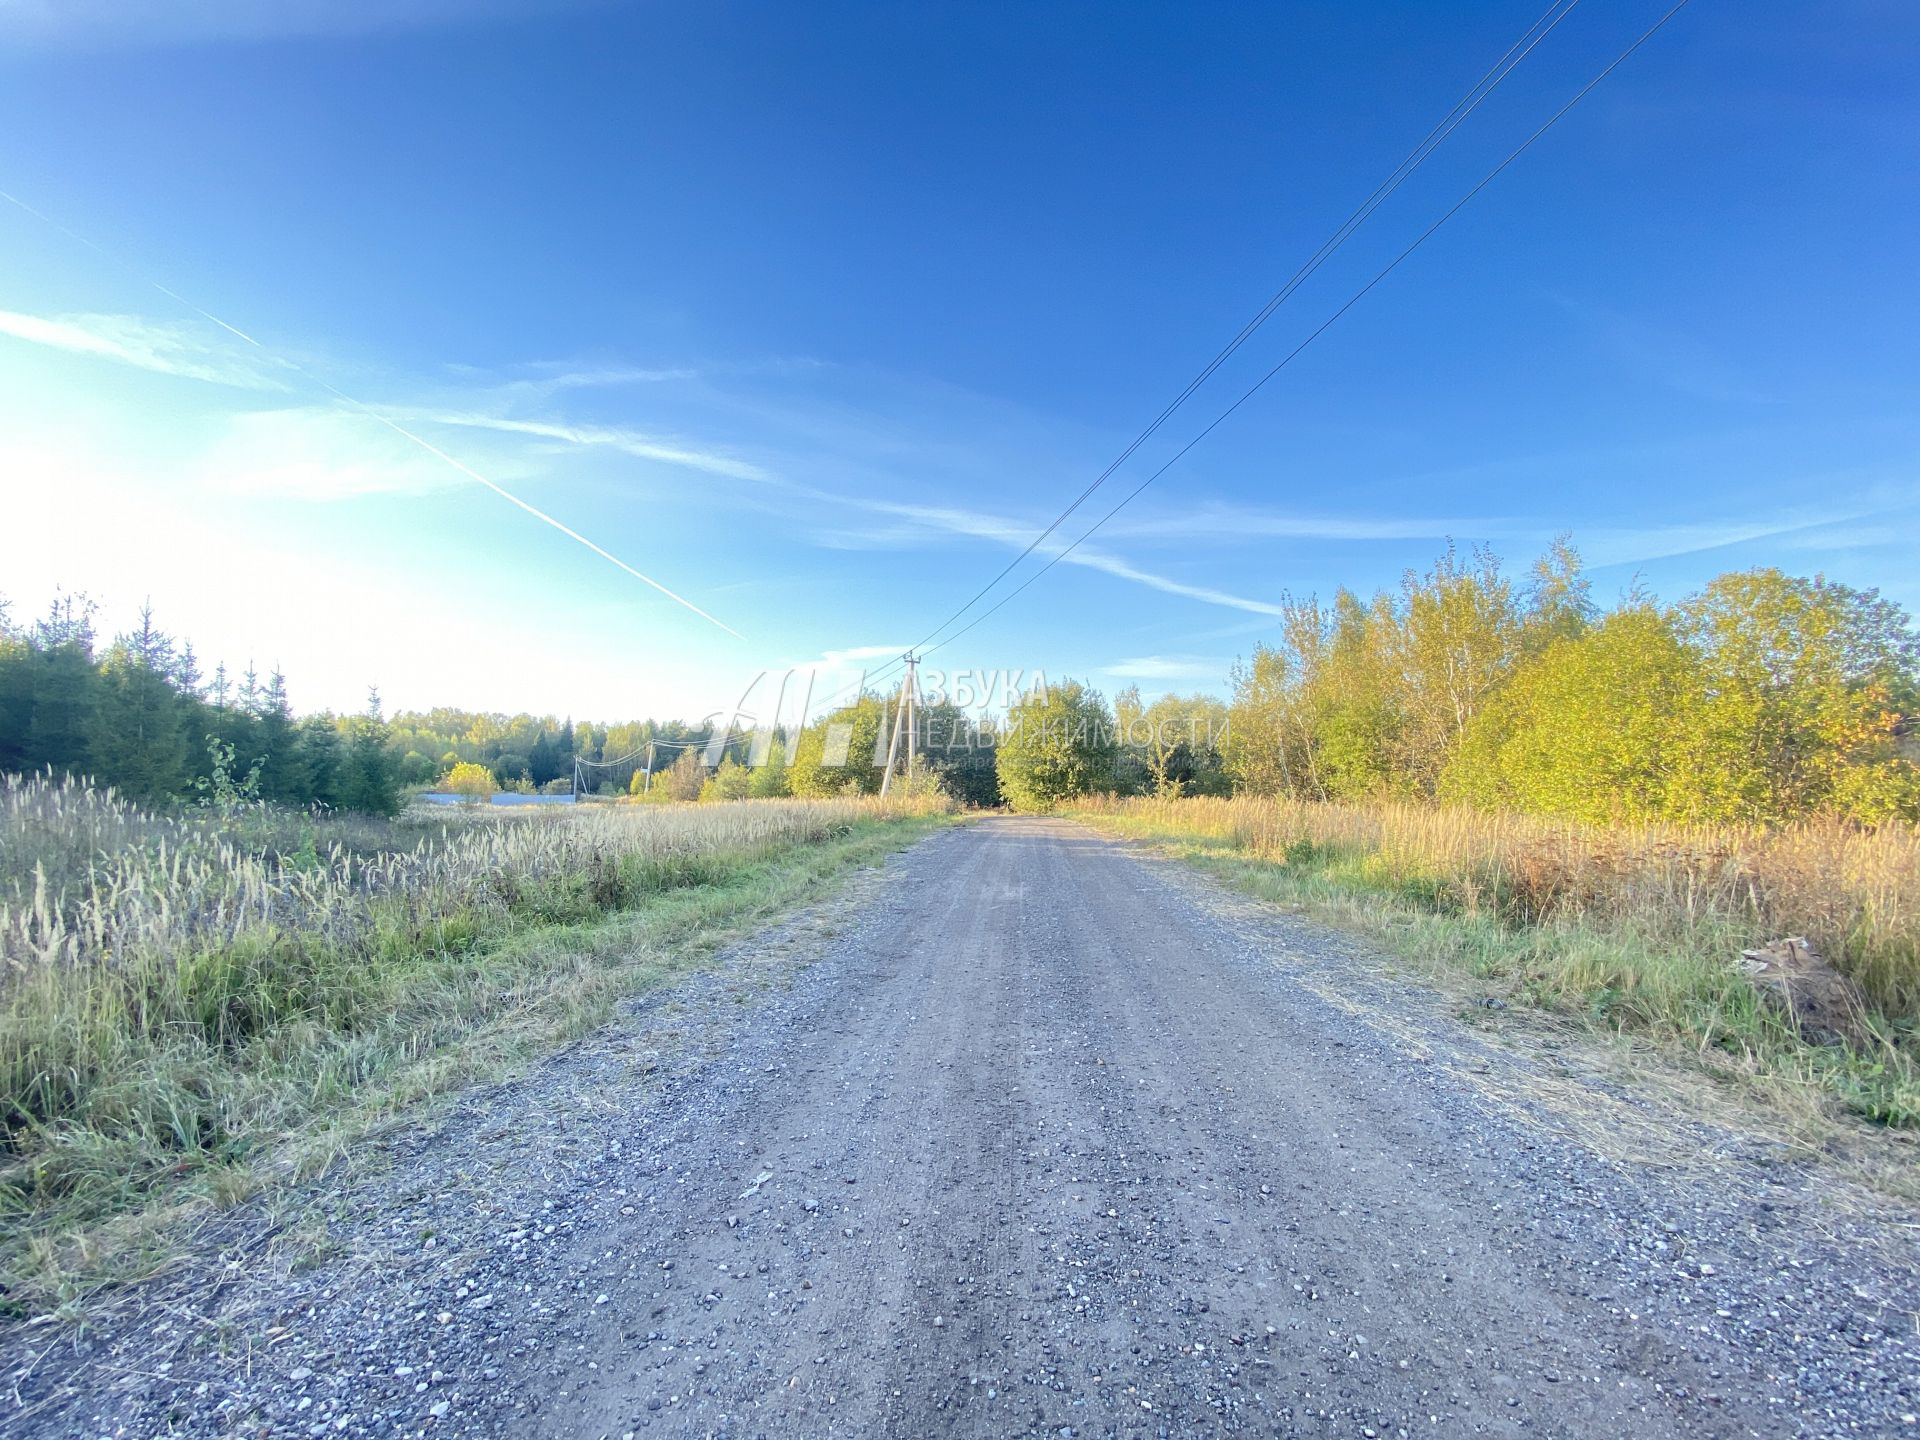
[
  {"x": 179, "y": 992},
  {"x": 1638, "y": 927}
]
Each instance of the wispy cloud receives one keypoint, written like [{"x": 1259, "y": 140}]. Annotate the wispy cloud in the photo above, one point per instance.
[
  {"x": 1168, "y": 667},
  {"x": 1903, "y": 534},
  {"x": 185, "y": 350},
  {"x": 542, "y": 380},
  {"x": 1207, "y": 594},
  {"x": 1217, "y": 522},
  {"x": 910, "y": 525},
  {"x": 1600, "y": 545},
  {"x": 630, "y": 442},
  {"x": 200, "y": 352},
  {"x": 1632, "y": 545},
  {"x": 1016, "y": 535},
  {"x": 319, "y": 453},
  {"x": 851, "y": 658},
  {"x": 853, "y": 655}
]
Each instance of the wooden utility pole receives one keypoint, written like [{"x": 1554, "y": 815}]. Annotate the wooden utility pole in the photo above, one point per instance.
[
  {"x": 913, "y": 728},
  {"x": 903, "y": 717},
  {"x": 893, "y": 742}
]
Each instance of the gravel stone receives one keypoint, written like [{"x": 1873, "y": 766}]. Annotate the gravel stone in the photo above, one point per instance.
[{"x": 1175, "y": 1164}]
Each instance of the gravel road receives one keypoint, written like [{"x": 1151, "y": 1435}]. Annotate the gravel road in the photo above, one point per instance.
[{"x": 1029, "y": 1133}]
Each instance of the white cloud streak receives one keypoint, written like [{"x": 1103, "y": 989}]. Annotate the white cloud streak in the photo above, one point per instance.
[
  {"x": 853, "y": 655},
  {"x": 630, "y": 442},
  {"x": 1168, "y": 667},
  {"x": 89, "y": 341},
  {"x": 313, "y": 454},
  {"x": 541, "y": 381},
  {"x": 143, "y": 344},
  {"x": 1242, "y": 522},
  {"x": 318, "y": 453},
  {"x": 544, "y": 518},
  {"x": 1014, "y": 535},
  {"x": 1633, "y": 545}
]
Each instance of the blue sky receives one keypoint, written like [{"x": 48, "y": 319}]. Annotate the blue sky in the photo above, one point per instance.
[{"x": 816, "y": 314}]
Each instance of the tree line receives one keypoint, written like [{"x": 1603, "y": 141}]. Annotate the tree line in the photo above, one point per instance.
[
  {"x": 534, "y": 752},
  {"x": 138, "y": 714},
  {"x": 1762, "y": 698},
  {"x": 837, "y": 754}
]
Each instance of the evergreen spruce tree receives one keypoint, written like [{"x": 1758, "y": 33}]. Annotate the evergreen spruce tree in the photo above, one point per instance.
[
  {"x": 543, "y": 759},
  {"x": 282, "y": 780},
  {"x": 186, "y": 672},
  {"x": 63, "y": 687},
  {"x": 322, "y": 760},
  {"x": 367, "y": 771},
  {"x": 16, "y": 699},
  {"x": 137, "y": 738}
]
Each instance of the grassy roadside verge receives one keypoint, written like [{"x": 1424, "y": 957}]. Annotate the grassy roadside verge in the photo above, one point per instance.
[
  {"x": 162, "y": 1068},
  {"x": 1664, "y": 978}
]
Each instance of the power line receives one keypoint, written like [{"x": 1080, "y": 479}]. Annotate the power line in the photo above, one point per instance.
[
  {"x": 859, "y": 687},
  {"x": 1326, "y": 324},
  {"x": 613, "y": 764},
  {"x": 581, "y": 763},
  {"x": 1476, "y": 94},
  {"x": 731, "y": 736},
  {"x": 1448, "y": 123}
]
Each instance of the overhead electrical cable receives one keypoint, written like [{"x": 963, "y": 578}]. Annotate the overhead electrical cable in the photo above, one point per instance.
[
  {"x": 1326, "y": 324},
  {"x": 1447, "y": 124},
  {"x": 731, "y": 736},
  {"x": 1477, "y": 93}
]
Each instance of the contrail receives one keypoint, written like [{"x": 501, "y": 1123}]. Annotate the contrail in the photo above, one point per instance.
[
  {"x": 373, "y": 414},
  {"x": 512, "y": 499}
]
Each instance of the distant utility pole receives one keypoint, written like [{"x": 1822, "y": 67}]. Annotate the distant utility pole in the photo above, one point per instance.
[
  {"x": 646, "y": 788},
  {"x": 903, "y": 715}
]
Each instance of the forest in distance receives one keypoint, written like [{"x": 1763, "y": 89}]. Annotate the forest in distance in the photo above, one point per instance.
[
  {"x": 1592, "y": 810},
  {"x": 1763, "y": 698}
]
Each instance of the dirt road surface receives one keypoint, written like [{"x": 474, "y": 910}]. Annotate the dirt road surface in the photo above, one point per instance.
[{"x": 1031, "y": 1134}]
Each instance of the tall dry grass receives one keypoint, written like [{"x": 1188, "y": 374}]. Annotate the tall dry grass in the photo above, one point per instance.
[
  {"x": 1625, "y": 929},
  {"x": 1854, "y": 892},
  {"x": 120, "y": 929},
  {"x": 177, "y": 991}
]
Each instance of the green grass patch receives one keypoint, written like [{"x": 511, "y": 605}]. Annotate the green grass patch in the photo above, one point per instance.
[{"x": 277, "y": 1050}]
